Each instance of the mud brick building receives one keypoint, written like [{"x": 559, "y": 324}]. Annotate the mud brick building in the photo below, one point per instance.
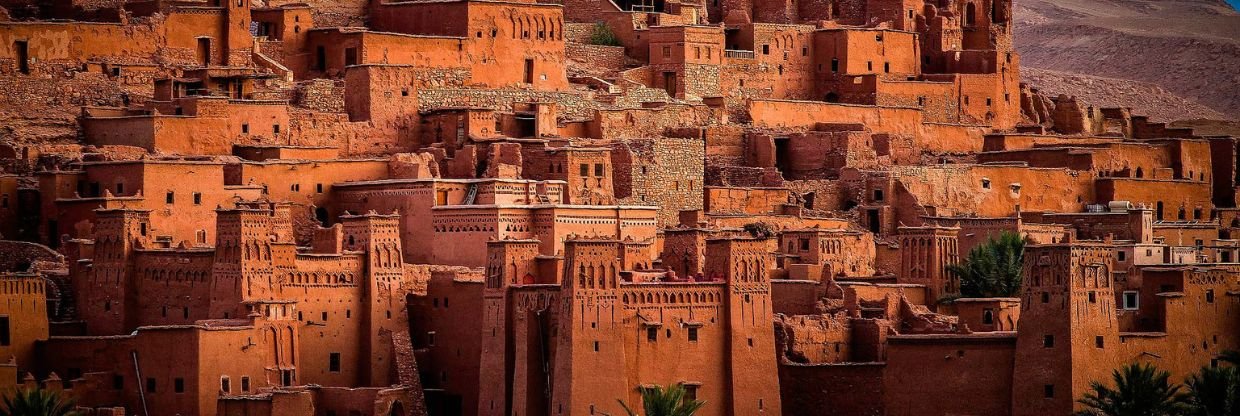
[{"x": 541, "y": 208}]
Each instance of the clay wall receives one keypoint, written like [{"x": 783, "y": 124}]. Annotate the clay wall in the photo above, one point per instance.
[
  {"x": 852, "y": 389},
  {"x": 197, "y": 368},
  {"x": 665, "y": 172},
  {"x": 994, "y": 191},
  {"x": 452, "y": 348},
  {"x": 648, "y": 122},
  {"x": 465, "y": 225},
  {"x": 794, "y": 297},
  {"x": 24, "y": 313},
  {"x": 841, "y": 252},
  {"x": 744, "y": 200},
  {"x": 189, "y": 216},
  {"x": 984, "y": 361},
  {"x": 331, "y": 50},
  {"x": 305, "y": 184},
  {"x": 896, "y": 121},
  {"x": 988, "y": 314},
  {"x": 1168, "y": 198},
  {"x": 892, "y": 54},
  {"x": 197, "y": 132},
  {"x": 171, "y": 285},
  {"x": 170, "y": 39},
  {"x": 502, "y": 36},
  {"x": 269, "y": 153}
]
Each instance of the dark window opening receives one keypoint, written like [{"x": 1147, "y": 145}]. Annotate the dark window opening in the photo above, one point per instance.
[
  {"x": 350, "y": 56},
  {"x": 1048, "y": 341},
  {"x": 333, "y": 362},
  {"x": 6, "y": 337},
  {"x": 178, "y": 385}
]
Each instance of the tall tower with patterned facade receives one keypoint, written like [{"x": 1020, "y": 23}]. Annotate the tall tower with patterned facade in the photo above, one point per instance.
[{"x": 1068, "y": 334}]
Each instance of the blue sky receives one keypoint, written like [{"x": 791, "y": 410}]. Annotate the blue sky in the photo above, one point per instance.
[{"x": 1235, "y": 4}]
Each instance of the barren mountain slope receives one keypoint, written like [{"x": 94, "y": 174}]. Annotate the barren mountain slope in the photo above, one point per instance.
[
  {"x": 1144, "y": 98},
  {"x": 1191, "y": 48}
]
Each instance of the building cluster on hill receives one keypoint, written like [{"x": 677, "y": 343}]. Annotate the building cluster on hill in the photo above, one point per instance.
[{"x": 490, "y": 208}]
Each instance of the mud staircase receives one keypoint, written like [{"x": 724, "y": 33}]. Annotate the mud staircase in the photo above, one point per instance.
[
  {"x": 66, "y": 301},
  {"x": 471, "y": 195}
]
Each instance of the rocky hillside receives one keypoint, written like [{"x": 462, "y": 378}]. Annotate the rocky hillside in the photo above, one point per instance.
[{"x": 1189, "y": 48}]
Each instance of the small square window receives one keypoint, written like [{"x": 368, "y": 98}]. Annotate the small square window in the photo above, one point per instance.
[
  {"x": 150, "y": 385},
  {"x": 197, "y": 198},
  {"x": 178, "y": 385},
  {"x": 585, "y": 169},
  {"x": 1048, "y": 341},
  {"x": 1099, "y": 342},
  {"x": 598, "y": 169},
  {"x": 1209, "y": 295},
  {"x": 693, "y": 334},
  {"x": 225, "y": 385},
  {"x": 766, "y": 49},
  {"x": 1048, "y": 391},
  {"x": 333, "y": 362},
  {"x": 652, "y": 334},
  {"x": 1131, "y": 300}
]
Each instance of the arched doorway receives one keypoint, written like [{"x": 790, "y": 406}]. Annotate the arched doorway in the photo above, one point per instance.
[{"x": 398, "y": 409}]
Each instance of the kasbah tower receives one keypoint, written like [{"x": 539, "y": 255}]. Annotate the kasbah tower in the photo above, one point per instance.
[{"x": 578, "y": 207}]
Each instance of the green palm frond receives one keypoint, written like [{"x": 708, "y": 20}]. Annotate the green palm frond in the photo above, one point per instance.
[
  {"x": 1140, "y": 390},
  {"x": 992, "y": 269},
  {"x": 37, "y": 402},
  {"x": 1215, "y": 392},
  {"x": 670, "y": 401}
]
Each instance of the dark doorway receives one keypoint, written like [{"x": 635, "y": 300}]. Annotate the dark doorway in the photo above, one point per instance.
[
  {"x": 783, "y": 157},
  {"x": 832, "y": 97},
  {"x": 21, "y": 50},
  {"x": 320, "y": 214},
  {"x": 871, "y": 217},
  {"x": 320, "y": 58},
  {"x": 204, "y": 51},
  {"x": 669, "y": 83}
]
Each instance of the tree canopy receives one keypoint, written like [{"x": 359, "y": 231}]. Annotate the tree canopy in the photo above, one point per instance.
[{"x": 992, "y": 269}]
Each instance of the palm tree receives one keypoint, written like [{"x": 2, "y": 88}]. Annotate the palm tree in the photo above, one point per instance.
[
  {"x": 992, "y": 269},
  {"x": 658, "y": 401},
  {"x": 37, "y": 402},
  {"x": 1215, "y": 391},
  {"x": 1140, "y": 390}
]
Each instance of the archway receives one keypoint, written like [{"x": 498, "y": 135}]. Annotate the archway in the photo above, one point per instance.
[{"x": 398, "y": 409}]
